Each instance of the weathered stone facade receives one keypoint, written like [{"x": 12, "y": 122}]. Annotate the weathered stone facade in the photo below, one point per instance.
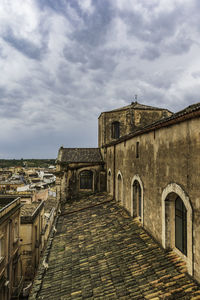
[
  {"x": 150, "y": 169},
  {"x": 81, "y": 170},
  {"x": 129, "y": 119},
  {"x": 31, "y": 238},
  {"x": 152, "y": 163},
  {"x": 11, "y": 279}
]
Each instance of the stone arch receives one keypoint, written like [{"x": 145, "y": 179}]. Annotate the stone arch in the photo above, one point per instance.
[
  {"x": 109, "y": 181},
  {"x": 169, "y": 196},
  {"x": 137, "y": 201},
  {"x": 119, "y": 188}
]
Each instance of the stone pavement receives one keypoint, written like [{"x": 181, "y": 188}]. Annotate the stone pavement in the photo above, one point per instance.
[{"x": 100, "y": 252}]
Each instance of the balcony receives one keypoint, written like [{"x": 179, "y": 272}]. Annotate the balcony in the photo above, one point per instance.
[{"x": 17, "y": 287}]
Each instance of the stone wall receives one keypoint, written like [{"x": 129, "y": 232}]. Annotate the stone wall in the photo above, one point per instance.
[
  {"x": 168, "y": 162},
  {"x": 70, "y": 179},
  {"x": 130, "y": 119}
]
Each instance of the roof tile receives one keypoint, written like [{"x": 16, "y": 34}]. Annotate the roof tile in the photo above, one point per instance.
[{"x": 82, "y": 155}]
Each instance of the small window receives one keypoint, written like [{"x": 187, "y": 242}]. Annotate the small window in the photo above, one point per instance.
[
  {"x": 137, "y": 149},
  {"x": 115, "y": 130},
  {"x": 86, "y": 180}
]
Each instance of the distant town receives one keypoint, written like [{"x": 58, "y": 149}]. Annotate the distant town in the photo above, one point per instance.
[
  {"x": 40, "y": 163},
  {"x": 28, "y": 205}
]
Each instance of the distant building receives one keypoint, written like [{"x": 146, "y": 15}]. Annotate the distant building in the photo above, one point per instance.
[
  {"x": 31, "y": 237},
  {"x": 11, "y": 279},
  {"x": 10, "y": 186}
]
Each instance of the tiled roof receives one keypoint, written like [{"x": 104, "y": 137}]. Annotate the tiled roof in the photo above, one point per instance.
[
  {"x": 100, "y": 252},
  {"x": 6, "y": 201},
  {"x": 76, "y": 155},
  {"x": 49, "y": 204},
  {"x": 29, "y": 209}
]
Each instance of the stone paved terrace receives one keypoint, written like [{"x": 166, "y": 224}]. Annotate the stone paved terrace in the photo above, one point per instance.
[{"x": 100, "y": 252}]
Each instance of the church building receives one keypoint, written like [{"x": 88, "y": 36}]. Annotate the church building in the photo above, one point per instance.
[{"x": 149, "y": 161}]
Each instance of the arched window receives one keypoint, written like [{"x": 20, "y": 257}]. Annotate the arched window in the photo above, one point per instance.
[
  {"x": 86, "y": 180},
  {"x": 137, "y": 199},
  {"x": 119, "y": 188},
  {"x": 115, "y": 130},
  {"x": 180, "y": 226},
  {"x": 177, "y": 223}
]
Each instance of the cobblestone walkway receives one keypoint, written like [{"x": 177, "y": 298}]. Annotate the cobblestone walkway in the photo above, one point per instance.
[{"x": 102, "y": 253}]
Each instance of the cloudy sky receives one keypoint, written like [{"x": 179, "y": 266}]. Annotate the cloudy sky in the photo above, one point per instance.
[{"x": 63, "y": 62}]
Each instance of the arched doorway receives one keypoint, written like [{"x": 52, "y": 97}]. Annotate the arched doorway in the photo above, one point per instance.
[
  {"x": 119, "y": 188},
  {"x": 86, "y": 180},
  {"x": 177, "y": 223}
]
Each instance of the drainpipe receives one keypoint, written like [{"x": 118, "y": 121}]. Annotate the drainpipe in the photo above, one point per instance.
[{"x": 114, "y": 154}]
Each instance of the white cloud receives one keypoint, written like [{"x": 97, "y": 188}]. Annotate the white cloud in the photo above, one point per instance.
[{"x": 86, "y": 6}]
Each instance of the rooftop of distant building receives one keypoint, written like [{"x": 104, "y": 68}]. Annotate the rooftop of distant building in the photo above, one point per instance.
[{"x": 79, "y": 155}]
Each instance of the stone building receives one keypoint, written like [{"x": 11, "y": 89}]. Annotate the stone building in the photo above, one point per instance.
[
  {"x": 10, "y": 186},
  {"x": 122, "y": 121},
  {"x": 11, "y": 279},
  {"x": 31, "y": 237},
  {"x": 154, "y": 173},
  {"x": 152, "y": 163},
  {"x": 80, "y": 170}
]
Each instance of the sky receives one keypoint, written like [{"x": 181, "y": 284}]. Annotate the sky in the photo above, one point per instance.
[{"x": 63, "y": 62}]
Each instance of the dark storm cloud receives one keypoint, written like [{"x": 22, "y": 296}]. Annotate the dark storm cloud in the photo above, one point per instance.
[
  {"x": 180, "y": 45},
  {"x": 96, "y": 25},
  {"x": 78, "y": 56},
  {"x": 10, "y": 102},
  {"x": 155, "y": 28},
  {"x": 98, "y": 59},
  {"x": 150, "y": 53},
  {"x": 23, "y": 45},
  {"x": 59, "y": 6},
  {"x": 159, "y": 30}
]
